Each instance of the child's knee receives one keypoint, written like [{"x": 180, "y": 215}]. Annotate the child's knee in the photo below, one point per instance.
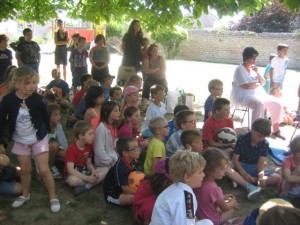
[{"x": 74, "y": 181}]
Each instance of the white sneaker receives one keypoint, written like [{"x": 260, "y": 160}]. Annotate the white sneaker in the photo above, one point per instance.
[
  {"x": 54, "y": 205},
  {"x": 234, "y": 184},
  {"x": 55, "y": 172},
  {"x": 20, "y": 201}
]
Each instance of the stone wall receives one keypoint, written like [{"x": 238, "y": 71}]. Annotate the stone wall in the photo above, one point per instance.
[{"x": 227, "y": 46}]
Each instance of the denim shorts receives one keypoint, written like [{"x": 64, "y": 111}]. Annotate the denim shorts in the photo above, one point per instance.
[{"x": 252, "y": 169}]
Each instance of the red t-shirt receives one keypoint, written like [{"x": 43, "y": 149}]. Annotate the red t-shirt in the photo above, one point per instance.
[
  {"x": 289, "y": 163},
  {"x": 211, "y": 128},
  {"x": 77, "y": 156},
  {"x": 77, "y": 98}
]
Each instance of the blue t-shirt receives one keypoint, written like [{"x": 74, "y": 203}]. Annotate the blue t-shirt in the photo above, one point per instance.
[
  {"x": 208, "y": 106},
  {"x": 172, "y": 129},
  {"x": 80, "y": 110},
  {"x": 250, "y": 154},
  {"x": 61, "y": 88}
]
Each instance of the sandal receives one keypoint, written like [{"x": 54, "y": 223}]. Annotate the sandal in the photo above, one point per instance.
[
  {"x": 54, "y": 205},
  {"x": 2, "y": 218},
  {"x": 277, "y": 134}
]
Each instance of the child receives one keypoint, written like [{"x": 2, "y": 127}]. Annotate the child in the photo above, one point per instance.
[
  {"x": 99, "y": 57},
  {"x": 106, "y": 137},
  {"x": 280, "y": 215},
  {"x": 94, "y": 99},
  {"x": 217, "y": 121},
  {"x": 184, "y": 120},
  {"x": 155, "y": 109},
  {"x": 215, "y": 87},
  {"x": 134, "y": 80},
  {"x": 6, "y": 87},
  {"x": 267, "y": 74},
  {"x": 148, "y": 191},
  {"x": 79, "y": 168},
  {"x": 131, "y": 97},
  {"x": 78, "y": 63},
  {"x": 6, "y": 56},
  {"x": 177, "y": 204},
  {"x": 212, "y": 203},
  {"x": 115, "y": 95},
  {"x": 156, "y": 148},
  {"x": 291, "y": 172},
  {"x": 106, "y": 85},
  {"x": 192, "y": 140},
  {"x": 250, "y": 155},
  {"x": 83, "y": 79},
  {"x": 58, "y": 88},
  {"x": 115, "y": 185},
  {"x": 279, "y": 66},
  {"x": 287, "y": 117},
  {"x": 171, "y": 122},
  {"x": 28, "y": 125},
  {"x": 145, "y": 46},
  {"x": 57, "y": 140},
  {"x": 130, "y": 126},
  {"x": 28, "y": 52}
]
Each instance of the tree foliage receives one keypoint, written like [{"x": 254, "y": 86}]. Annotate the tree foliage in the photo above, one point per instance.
[
  {"x": 273, "y": 17},
  {"x": 154, "y": 14}
]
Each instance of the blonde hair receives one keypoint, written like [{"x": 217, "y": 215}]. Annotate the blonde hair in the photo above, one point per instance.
[
  {"x": 132, "y": 79},
  {"x": 91, "y": 83},
  {"x": 185, "y": 163},
  {"x": 213, "y": 83},
  {"x": 22, "y": 74},
  {"x": 156, "y": 123},
  {"x": 81, "y": 127}
]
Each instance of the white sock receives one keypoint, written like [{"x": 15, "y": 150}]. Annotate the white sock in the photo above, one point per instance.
[{"x": 88, "y": 186}]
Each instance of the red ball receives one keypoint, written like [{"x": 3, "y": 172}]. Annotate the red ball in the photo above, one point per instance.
[{"x": 134, "y": 179}]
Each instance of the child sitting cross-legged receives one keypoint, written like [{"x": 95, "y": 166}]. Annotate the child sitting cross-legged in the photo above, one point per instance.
[
  {"x": 212, "y": 203},
  {"x": 156, "y": 148},
  {"x": 177, "y": 204},
  {"x": 115, "y": 185},
  {"x": 79, "y": 168},
  {"x": 192, "y": 140}
]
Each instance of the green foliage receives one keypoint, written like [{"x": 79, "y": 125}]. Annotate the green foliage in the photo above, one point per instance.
[
  {"x": 114, "y": 29},
  {"x": 171, "y": 40},
  {"x": 154, "y": 14}
]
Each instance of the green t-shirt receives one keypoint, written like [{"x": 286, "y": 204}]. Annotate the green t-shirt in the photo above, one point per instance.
[{"x": 156, "y": 149}]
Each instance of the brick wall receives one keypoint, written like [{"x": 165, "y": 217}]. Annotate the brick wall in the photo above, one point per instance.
[{"x": 227, "y": 46}]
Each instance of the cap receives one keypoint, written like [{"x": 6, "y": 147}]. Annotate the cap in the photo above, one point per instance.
[
  {"x": 108, "y": 76},
  {"x": 131, "y": 89},
  {"x": 162, "y": 167}
]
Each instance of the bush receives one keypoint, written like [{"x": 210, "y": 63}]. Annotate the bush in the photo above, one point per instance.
[
  {"x": 170, "y": 40},
  {"x": 114, "y": 29}
]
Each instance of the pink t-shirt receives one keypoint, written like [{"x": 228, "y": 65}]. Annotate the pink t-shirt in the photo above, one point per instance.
[
  {"x": 289, "y": 163},
  {"x": 207, "y": 195}
]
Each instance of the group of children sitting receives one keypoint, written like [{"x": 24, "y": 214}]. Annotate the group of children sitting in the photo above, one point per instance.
[{"x": 181, "y": 164}]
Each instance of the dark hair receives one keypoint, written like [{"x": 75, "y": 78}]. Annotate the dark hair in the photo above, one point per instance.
[
  {"x": 99, "y": 37},
  {"x": 106, "y": 110},
  {"x": 81, "y": 127},
  {"x": 156, "y": 88},
  {"x": 84, "y": 78},
  {"x": 150, "y": 48},
  {"x": 3, "y": 37},
  {"x": 51, "y": 108},
  {"x": 128, "y": 112},
  {"x": 295, "y": 145},
  {"x": 282, "y": 46},
  {"x": 262, "y": 126},
  {"x": 213, "y": 158},
  {"x": 181, "y": 116},
  {"x": 219, "y": 103},
  {"x": 91, "y": 96},
  {"x": 81, "y": 38},
  {"x": 131, "y": 29},
  {"x": 113, "y": 89},
  {"x": 158, "y": 182},
  {"x": 179, "y": 108},
  {"x": 272, "y": 55},
  {"x": 26, "y": 30},
  {"x": 249, "y": 52},
  {"x": 123, "y": 144},
  {"x": 280, "y": 215},
  {"x": 59, "y": 21},
  {"x": 188, "y": 136},
  {"x": 76, "y": 35}
]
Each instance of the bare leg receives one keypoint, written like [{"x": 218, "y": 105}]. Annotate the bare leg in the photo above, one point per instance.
[
  {"x": 65, "y": 72},
  {"x": 53, "y": 152},
  {"x": 233, "y": 175},
  {"x": 126, "y": 199},
  {"x": 25, "y": 173}
]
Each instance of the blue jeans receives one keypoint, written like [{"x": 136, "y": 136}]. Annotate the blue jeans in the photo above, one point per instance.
[{"x": 252, "y": 169}]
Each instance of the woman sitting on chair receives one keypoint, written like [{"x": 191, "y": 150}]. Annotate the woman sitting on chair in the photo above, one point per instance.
[{"x": 247, "y": 90}]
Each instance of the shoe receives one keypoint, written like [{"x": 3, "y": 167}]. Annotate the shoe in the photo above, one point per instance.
[
  {"x": 278, "y": 134},
  {"x": 79, "y": 190},
  {"x": 234, "y": 184},
  {"x": 54, "y": 205},
  {"x": 253, "y": 191},
  {"x": 20, "y": 201},
  {"x": 55, "y": 172}
]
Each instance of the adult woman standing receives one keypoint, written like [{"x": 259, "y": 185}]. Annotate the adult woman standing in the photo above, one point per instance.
[
  {"x": 131, "y": 45},
  {"x": 154, "y": 66},
  {"x": 99, "y": 58},
  {"x": 247, "y": 90},
  {"x": 61, "y": 40}
]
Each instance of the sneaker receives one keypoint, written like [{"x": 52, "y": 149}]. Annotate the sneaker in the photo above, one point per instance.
[
  {"x": 79, "y": 190},
  {"x": 55, "y": 172},
  {"x": 253, "y": 191},
  {"x": 54, "y": 205},
  {"x": 234, "y": 184},
  {"x": 20, "y": 201}
]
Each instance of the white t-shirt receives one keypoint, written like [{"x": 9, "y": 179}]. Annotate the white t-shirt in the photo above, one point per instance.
[
  {"x": 24, "y": 131},
  {"x": 279, "y": 66}
]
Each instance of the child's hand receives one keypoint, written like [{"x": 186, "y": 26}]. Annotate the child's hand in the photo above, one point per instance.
[
  {"x": 228, "y": 197},
  {"x": 235, "y": 204},
  {"x": 92, "y": 179},
  {"x": 144, "y": 143}
]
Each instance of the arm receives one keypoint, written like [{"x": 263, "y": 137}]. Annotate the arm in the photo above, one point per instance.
[
  {"x": 261, "y": 167},
  {"x": 56, "y": 42},
  {"x": 271, "y": 77},
  {"x": 163, "y": 67},
  {"x": 289, "y": 177},
  {"x": 18, "y": 57},
  {"x": 227, "y": 203},
  {"x": 89, "y": 115},
  {"x": 73, "y": 172},
  {"x": 90, "y": 166},
  {"x": 147, "y": 69},
  {"x": 244, "y": 174},
  {"x": 127, "y": 190}
]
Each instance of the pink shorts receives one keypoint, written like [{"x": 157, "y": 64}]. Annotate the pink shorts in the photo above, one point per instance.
[{"x": 32, "y": 149}]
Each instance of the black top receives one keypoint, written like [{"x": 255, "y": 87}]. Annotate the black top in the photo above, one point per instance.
[
  {"x": 30, "y": 52},
  {"x": 5, "y": 61},
  {"x": 63, "y": 37}
]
